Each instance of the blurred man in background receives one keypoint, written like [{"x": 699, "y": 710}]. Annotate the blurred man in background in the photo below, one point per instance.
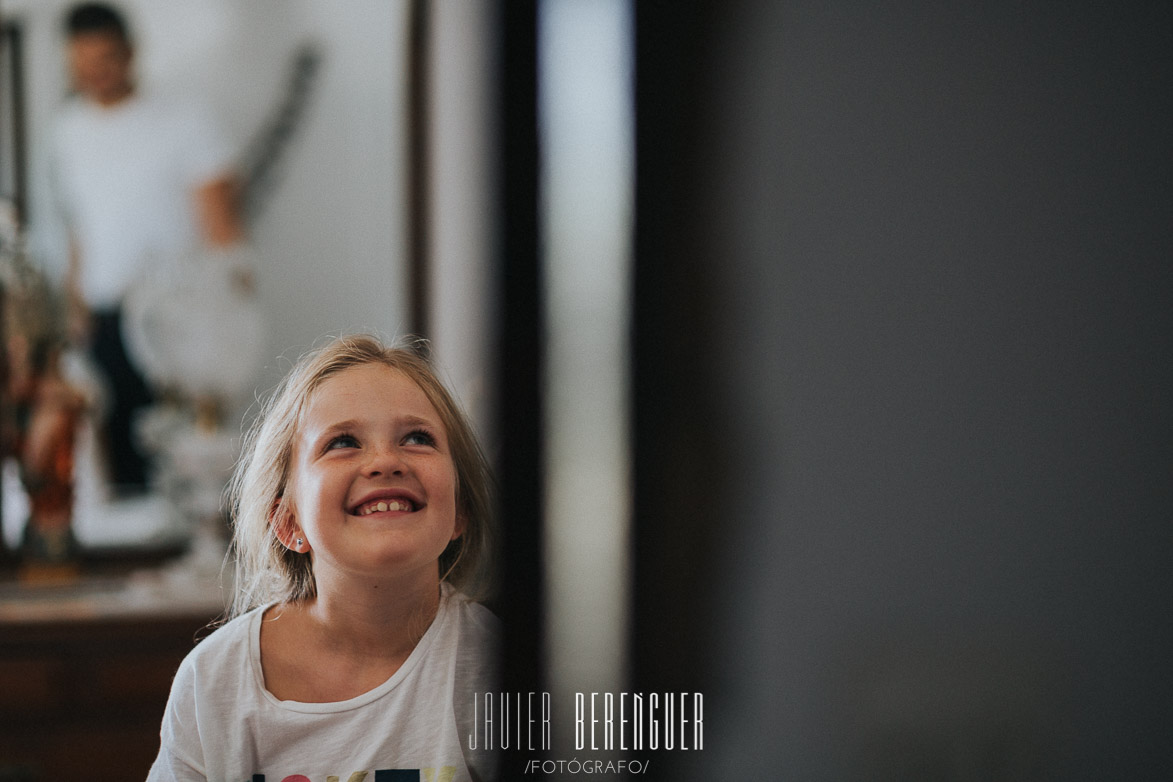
[{"x": 143, "y": 180}]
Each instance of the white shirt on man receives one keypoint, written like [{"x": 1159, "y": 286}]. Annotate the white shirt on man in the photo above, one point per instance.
[{"x": 127, "y": 177}]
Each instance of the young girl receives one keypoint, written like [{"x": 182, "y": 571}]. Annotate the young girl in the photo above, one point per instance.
[{"x": 362, "y": 515}]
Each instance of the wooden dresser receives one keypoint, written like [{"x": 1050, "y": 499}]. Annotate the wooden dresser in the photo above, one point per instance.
[{"x": 85, "y": 670}]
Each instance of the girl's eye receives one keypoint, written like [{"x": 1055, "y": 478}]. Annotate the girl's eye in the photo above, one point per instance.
[
  {"x": 342, "y": 441},
  {"x": 419, "y": 437}
]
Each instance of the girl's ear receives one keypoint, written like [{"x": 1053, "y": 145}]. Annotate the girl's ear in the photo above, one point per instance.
[
  {"x": 286, "y": 528},
  {"x": 461, "y": 526}
]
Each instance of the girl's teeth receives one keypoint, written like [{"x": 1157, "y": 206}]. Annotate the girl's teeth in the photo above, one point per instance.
[{"x": 382, "y": 506}]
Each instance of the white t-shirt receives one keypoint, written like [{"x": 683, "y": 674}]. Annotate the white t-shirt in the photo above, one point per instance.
[
  {"x": 222, "y": 724},
  {"x": 126, "y": 178}
]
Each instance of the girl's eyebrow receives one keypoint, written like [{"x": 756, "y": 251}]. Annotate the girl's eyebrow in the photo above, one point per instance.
[
  {"x": 340, "y": 426},
  {"x": 315, "y": 439},
  {"x": 415, "y": 420},
  {"x": 353, "y": 423}
]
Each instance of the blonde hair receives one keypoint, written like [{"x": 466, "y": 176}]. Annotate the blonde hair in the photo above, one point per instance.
[{"x": 267, "y": 571}]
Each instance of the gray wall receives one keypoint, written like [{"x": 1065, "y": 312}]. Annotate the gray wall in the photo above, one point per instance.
[{"x": 942, "y": 239}]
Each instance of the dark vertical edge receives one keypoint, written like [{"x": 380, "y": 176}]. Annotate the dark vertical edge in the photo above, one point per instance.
[
  {"x": 520, "y": 357},
  {"x": 418, "y": 166},
  {"x": 4, "y": 56},
  {"x": 676, "y": 449},
  {"x": 19, "y": 142},
  {"x": 11, "y": 49}
]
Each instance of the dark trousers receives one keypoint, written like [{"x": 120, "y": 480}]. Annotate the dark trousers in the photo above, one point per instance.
[{"x": 129, "y": 394}]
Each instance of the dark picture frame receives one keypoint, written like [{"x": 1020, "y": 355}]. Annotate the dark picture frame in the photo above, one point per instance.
[{"x": 13, "y": 143}]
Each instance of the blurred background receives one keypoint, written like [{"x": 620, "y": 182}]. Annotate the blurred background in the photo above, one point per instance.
[
  {"x": 823, "y": 351},
  {"x": 340, "y": 209}
]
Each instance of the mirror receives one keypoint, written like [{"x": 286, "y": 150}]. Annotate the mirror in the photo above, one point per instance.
[{"x": 313, "y": 95}]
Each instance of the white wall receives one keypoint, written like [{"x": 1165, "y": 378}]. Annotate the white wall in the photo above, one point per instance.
[
  {"x": 332, "y": 240},
  {"x": 460, "y": 209}
]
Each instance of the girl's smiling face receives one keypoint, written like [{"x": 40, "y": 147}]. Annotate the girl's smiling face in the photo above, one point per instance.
[{"x": 372, "y": 484}]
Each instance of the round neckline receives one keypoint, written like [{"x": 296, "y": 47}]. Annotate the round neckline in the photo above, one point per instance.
[{"x": 329, "y": 707}]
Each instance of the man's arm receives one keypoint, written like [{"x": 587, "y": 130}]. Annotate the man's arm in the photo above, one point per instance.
[
  {"x": 218, "y": 205},
  {"x": 77, "y": 314}
]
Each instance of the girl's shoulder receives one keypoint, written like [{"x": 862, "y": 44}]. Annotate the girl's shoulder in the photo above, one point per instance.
[
  {"x": 233, "y": 630},
  {"x": 473, "y": 617},
  {"x": 229, "y": 645},
  {"x": 476, "y": 627}
]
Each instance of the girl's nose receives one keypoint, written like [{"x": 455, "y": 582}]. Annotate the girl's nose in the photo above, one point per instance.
[{"x": 385, "y": 460}]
